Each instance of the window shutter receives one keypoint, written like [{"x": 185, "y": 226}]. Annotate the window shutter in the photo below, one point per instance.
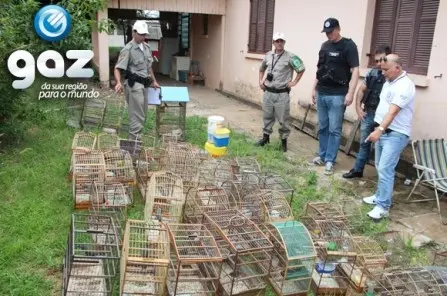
[
  {"x": 403, "y": 33},
  {"x": 253, "y": 25},
  {"x": 269, "y": 25},
  {"x": 423, "y": 36},
  {"x": 260, "y": 34},
  {"x": 383, "y": 25}
]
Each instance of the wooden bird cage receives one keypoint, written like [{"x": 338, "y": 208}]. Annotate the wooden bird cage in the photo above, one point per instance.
[
  {"x": 196, "y": 262},
  {"x": 213, "y": 172},
  {"x": 145, "y": 258},
  {"x": 250, "y": 202},
  {"x": 245, "y": 165},
  {"x": 109, "y": 195},
  {"x": 206, "y": 199},
  {"x": 336, "y": 255},
  {"x": 170, "y": 118},
  {"x": 93, "y": 114},
  {"x": 276, "y": 207},
  {"x": 134, "y": 147},
  {"x": 86, "y": 168},
  {"x": 91, "y": 257},
  {"x": 405, "y": 282},
  {"x": 119, "y": 169},
  {"x": 183, "y": 160},
  {"x": 108, "y": 141},
  {"x": 83, "y": 142},
  {"x": 118, "y": 215},
  {"x": 294, "y": 257},
  {"x": 112, "y": 114},
  {"x": 370, "y": 261},
  {"x": 149, "y": 161},
  {"x": 247, "y": 250},
  {"x": 164, "y": 198}
]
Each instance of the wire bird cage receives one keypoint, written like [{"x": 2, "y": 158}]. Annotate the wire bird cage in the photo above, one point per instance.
[
  {"x": 370, "y": 261},
  {"x": 249, "y": 199},
  {"x": 109, "y": 195},
  {"x": 149, "y": 161},
  {"x": 405, "y": 282},
  {"x": 134, "y": 147},
  {"x": 87, "y": 167},
  {"x": 93, "y": 113},
  {"x": 244, "y": 165},
  {"x": 206, "y": 199},
  {"x": 247, "y": 252},
  {"x": 196, "y": 262},
  {"x": 183, "y": 160},
  {"x": 293, "y": 259},
  {"x": 164, "y": 198},
  {"x": 336, "y": 255},
  {"x": 170, "y": 118},
  {"x": 214, "y": 171},
  {"x": 91, "y": 257},
  {"x": 275, "y": 206},
  {"x": 108, "y": 141},
  {"x": 118, "y": 215},
  {"x": 119, "y": 169},
  {"x": 83, "y": 142},
  {"x": 145, "y": 258},
  {"x": 112, "y": 114},
  {"x": 440, "y": 275}
]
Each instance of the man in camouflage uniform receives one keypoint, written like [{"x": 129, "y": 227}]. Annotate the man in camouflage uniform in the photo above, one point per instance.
[
  {"x": 277, "y": 84},
  {"x": 136, "y": 60}
]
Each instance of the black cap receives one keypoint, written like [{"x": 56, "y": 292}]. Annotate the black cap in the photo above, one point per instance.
[{"x": 329, "y": 25}]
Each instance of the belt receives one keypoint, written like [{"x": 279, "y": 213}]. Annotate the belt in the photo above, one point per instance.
[
  {"x": 387, "y": 131},
  {"x": 276, "y": 90}
]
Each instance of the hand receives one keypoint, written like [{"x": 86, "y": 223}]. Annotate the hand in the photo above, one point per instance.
[
  {"x": 374, "y": 136},
  {"x": 291, "y": 84},
  {"x": 155, "y": 84},
  {"x": 348, "y": 99},
  {"x": 360, "y": 113},
  {"x": 314, "y": 96},
  {"x": 261, "y": 84},
  {"x": 118, "y": 87}
]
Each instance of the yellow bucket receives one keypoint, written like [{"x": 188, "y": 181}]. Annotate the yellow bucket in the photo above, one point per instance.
[{"x": 215, "y": 151}]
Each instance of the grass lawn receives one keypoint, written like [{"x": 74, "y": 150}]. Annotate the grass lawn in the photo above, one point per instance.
[{"x": 37, "y": 201}]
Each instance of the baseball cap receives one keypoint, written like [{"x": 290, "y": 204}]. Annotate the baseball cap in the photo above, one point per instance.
[
  {"x": 141, "y": 27},
  {"x": 278, "y": 35},
  {"x": 329, "y": 25}
]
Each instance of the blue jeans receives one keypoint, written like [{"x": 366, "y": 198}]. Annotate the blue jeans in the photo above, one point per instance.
[
  {"x": 366, "y": 128},
  {"x": 331, "y": 110},
  {"x": 388, "y": 150}
]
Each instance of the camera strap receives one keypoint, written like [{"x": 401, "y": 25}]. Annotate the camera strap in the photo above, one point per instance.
[{"x": 273, "y": 59}]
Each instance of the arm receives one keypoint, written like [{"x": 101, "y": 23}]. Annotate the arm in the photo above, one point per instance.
[
  {"x": 353, "y": 61},
  {"x": 358, "y": 101},
  {"x": 155, "y": 83},
  {"x": 121, "y": 64},
  {"x": 314, "y": 91},
  {"x": 262, "y": 69}
]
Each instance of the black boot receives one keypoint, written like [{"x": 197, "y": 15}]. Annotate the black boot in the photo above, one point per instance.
[
  {"x": 265, "y": 140},
  {"x": 284, "y": 145},
  {"x": 353, "y": 174}
]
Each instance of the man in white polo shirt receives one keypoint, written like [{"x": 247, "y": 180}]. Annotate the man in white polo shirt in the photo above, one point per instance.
[{"x": 393, "y": 119}]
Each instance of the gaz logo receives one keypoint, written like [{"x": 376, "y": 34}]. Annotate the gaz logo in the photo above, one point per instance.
[{"x": 52, "y": 23}]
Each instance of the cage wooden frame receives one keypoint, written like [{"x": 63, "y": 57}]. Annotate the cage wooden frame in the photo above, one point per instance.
[
  {"x": 87, "y": 167},
  {"x": 247, "y": 252},
  {"x": 244, "y": 165},
  {"x": 214, "y": 171},
  {"x": 150, "y": 160},
  {"x": 113, "y": 114},
  {"x": 276, "y": 206},
  {"x": 294, "y": 253},
  {"x": 92, "y": 255},
  {"x": 107, "y": 141},
  {"x": 408, "y": 281},
  {"x": 83, "y": 142},
  {"x": 164, "y": 198},
  {"x": 195, "y": 258},
  {"x": 145, "y": 258},
  {"x": 206, "y": 199},
  {"x": 93, "y": 113},
  {"x": 109, "y": 195},
  {"x": 171, "y": 117}
]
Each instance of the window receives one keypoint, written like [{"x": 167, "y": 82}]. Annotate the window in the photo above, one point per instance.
[
  {"x": 205, "y": 24},
  {"x": 261, "y": 25},
  {"x": 408, "y": 27}
]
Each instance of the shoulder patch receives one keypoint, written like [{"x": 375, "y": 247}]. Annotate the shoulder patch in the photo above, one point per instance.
[{"x": 297, "y": 63}]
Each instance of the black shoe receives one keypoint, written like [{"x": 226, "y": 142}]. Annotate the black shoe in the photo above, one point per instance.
[
  {"x": 265, "y": 140},
  {"x": 284, "y": 145},
  {"x": 353, "y": 174}
]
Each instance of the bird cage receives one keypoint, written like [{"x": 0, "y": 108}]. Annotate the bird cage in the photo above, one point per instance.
[
  {"x": 245, "y": 165},
  {"x": 440, "y": 275},
  {"x": 83, "y": 142},
  {"x": 164, "y": 198},
  {"x": 93, "y": 113},
  {"x": 91, "y": 257},
  {"x": 336, "y": 255},
  {"x": 213, "y": 172},
  {"x": 406, "y": 282},
  {"x": 108, "y": 141},
  {"x": 149, "y": 161},
  {"x": 119, "y": 169},
  {"x": 196, "y": 262},
  {"x": 145, "y": 258},
  {"x": 370, "y": 261},
  {"x": 276, "y": 207},
  {"x": 206, "y": 199},
  {"x": 118, "y": 215},
  {"x": 134, "y": 146},
  {"x": 183, "y": 160},
  {"x": 440, "y": 258},
  {"x": 109, "y": 195},
  {"x": 293, "y": 259},
  {"x": 112, "y": 114},
  {"x": 170, "y": 118},
  {"x": 249, "y": 252},
  {"x": 86, "y": 168}
]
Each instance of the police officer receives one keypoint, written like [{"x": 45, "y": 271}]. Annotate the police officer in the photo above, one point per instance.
[
  {"x": 135, "y": 60},
  {"x": 335, "y": 83},
  {"x": 368, "y": 95},
  {"x": 279, "y": 65}
]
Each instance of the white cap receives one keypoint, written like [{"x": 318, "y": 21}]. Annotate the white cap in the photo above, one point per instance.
[
  {"x": 278, "y": 35},
  {"x": 141, "y": 27}
]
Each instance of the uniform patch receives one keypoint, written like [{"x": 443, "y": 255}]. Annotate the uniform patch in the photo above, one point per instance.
[
  {"x": 121, "y": 57},
  {"x": 297, "y": 64}
]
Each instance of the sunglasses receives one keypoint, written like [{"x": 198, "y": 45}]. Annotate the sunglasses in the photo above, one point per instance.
[
  {"x": 279, "y": 40},
  {"x": 382, "y": 60}
]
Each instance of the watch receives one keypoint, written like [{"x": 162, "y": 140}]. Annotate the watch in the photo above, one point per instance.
[{"x": 381, "y": 128}]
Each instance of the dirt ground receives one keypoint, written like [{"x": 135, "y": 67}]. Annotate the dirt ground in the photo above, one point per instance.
[{"x": 417, "y": 219}]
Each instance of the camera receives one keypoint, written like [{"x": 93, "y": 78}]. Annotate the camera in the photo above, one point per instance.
[{"x": 269, "y": 77}]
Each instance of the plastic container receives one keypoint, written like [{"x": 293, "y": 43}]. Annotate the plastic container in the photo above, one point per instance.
[
  {"x": 214, "y": 122},
  {"x": 221, "y": 137},
  {"x": 215, "y": 151}
]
